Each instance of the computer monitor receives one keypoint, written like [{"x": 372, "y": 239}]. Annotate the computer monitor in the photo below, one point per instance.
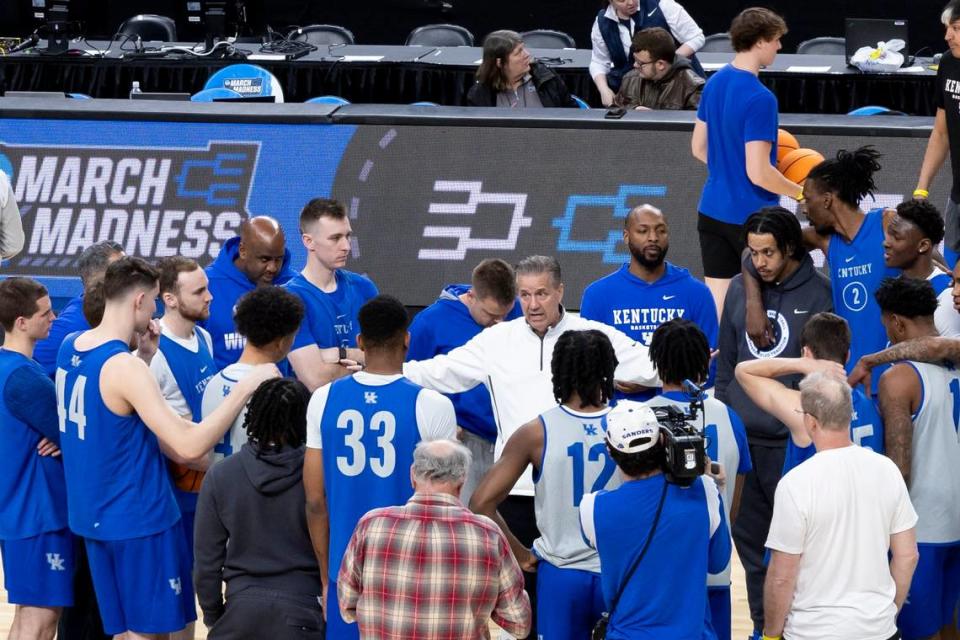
[
  {"x": 218, "y": 19},
  {"x": 52, "y": 18}
]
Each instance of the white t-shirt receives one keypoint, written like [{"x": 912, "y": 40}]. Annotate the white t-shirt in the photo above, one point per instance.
[
  {"x": 838, "y": 510},
  {"x": 161, "y": 370},
  {"x": 218, "y": 388},
  {"x": 436, "y": 419}
]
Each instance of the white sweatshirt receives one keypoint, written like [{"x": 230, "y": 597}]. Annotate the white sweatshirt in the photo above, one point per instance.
[{"x": 514, "y": 363}]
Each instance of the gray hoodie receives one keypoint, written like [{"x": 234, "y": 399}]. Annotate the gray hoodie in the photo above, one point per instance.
[
  {"x": 253, "y": 500},
  {"x": 789, "y": 305}
]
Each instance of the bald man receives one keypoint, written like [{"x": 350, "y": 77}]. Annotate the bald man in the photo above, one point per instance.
[
  {"x": 256, "y": 257},
  {"x": 648, "y": 291}
]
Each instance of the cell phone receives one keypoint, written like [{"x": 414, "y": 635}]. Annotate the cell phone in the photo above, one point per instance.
[{"x": 615, "y": 113}]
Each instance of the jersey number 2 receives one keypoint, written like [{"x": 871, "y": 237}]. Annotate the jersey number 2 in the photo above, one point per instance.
[
  {"x": 382, "y": 422},
  {"x": 73, "y": 410}
]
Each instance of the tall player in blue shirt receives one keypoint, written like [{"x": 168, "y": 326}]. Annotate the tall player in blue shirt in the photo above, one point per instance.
[
  {"x": 648, "y": 291},
  {"x": 256, "y": 257},
  {"x": 680, "y": 352},
  {"x": 113, "y": 423},
  {"x": 37, "y": 547},
  {"x": 361, "y": 433},
  {"x": 331, "y": 294},
  {"x": 825, "y": 344}
]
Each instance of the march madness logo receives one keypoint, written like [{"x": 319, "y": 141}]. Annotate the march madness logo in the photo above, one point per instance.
[{"x": 155, "y": 202}]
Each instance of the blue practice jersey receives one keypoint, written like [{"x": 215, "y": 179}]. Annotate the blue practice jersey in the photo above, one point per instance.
[
  {"x": 442, "y": 327},
  {"x": 368, "y": 435},
  {"x": 33, "y": 497},
  {"x": 866, "y": 430},
  {"x": 191, "y": 369},
  {"x": 856, "y": 271},
  {"x": 331, "y": 318},
  {"x": 117, "y": 482},
  {"x": 69, "y": 320},
  {"x": 692, "y": 533}
]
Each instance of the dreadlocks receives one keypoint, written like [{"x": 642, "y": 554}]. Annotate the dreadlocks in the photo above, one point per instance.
[
  {"x": 849, "y": 176},
  {"x": 583, "y": 362},
  {"x": 680, "y": 351},
  {"x": 277, "y": 414}
]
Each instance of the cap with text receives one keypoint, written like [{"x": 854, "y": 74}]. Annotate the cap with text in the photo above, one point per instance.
[{"x": 632, "y": 427}]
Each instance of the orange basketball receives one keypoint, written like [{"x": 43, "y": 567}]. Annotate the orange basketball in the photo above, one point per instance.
[
  {"x": 786, "y": 143},
  {"x": 797, "y": 164},
  {"x": 186, "y": 479}
]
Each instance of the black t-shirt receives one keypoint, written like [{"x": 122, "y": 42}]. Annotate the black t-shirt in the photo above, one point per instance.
[{"x": 948, "y": 99}]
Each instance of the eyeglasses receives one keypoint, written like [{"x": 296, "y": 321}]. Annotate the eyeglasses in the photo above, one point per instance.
[
  {"x": 641, "y": 65},
  {"x": 806, "y": 413}
]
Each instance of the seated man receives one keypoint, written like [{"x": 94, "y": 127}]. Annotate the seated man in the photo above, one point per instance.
[{"x": 660, "y": 78}]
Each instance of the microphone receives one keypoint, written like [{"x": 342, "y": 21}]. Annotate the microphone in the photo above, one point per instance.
[{"x": 26, "y": 44}]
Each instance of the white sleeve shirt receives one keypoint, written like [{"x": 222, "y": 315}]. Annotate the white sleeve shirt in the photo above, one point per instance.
[
  {"x": 164, "y": 376},
  {"x": 11, "y": 225}
]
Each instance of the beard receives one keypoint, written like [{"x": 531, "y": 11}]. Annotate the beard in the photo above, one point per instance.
[
  {"x": 644, "y": 261},
  {"x": 195, "y": 315}
]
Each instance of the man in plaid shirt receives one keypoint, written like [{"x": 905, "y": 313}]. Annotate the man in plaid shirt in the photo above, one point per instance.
[{"x": 432, "y": 568}]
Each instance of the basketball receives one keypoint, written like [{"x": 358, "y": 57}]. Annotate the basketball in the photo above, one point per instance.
[
  {"x": 186, "y": 479},
  {"x": 786, "y": 142},
  {"x": 797, "y": 164}
]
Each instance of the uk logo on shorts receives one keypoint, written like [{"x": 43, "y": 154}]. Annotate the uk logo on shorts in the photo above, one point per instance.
[
  {"x": 55, "y": 562},
  {"x": 175, "y": 585}
]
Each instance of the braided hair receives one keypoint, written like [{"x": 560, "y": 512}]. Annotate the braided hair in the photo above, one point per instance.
[
  {"x": 849, "y": 176},
  {"x": 583, "y": 362},
  {"x": 679, "y": 350},
  {"x": 277, "y": 414}
]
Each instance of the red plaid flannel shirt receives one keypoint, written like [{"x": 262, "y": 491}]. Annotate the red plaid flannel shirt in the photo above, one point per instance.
[{"x": 431, "y": 570}]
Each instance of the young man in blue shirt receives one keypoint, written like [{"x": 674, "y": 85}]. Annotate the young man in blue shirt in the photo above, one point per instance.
[
  {"x": 461, "y": 312},
  {"x": 331, "y": 294},
  {"x": 256, "y": 257},
  {"x": 37, "y": 546},
  {"x": 735, "y": 135}
]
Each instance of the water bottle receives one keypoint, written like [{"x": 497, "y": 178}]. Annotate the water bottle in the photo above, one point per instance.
[{"x": 135, "y": 88}]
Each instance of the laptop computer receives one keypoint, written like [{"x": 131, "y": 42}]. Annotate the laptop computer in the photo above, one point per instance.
[{"x": 867, "y": 32}]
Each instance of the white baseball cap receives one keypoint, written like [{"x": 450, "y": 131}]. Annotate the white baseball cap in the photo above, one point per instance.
[{"x": 632, "y": 427}]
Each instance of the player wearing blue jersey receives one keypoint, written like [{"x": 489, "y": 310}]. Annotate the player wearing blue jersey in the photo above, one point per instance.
[
  {"x": 851, "y": 240},
  {"x": 666, "y": 537},
  {"x": 113, "y": 423},
  {"x": 910, "y": 239},
  {"x": 268, "y": 319},
  {"x": 566, "y": 449},
  {"x": 256, "y": 257},
  {"x": 648, "y": 291},
  {"x": 37, "y": 547},
  {"x": 460, "y": 313},
  {"x": 331, "y": 294},
  {"x": 920, "y": 404},
  {"x": 361, "y": 433},
  {"x": 825, "y": 347},
  {"x": 680, "y": 352},
  {"x": 91, "y": 264}
]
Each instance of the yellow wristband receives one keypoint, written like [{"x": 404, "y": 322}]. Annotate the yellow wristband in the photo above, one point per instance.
[
  {"x": 920, "y": 193},
  {"x": 766, "y": 637},
  {"x": 800, "y": 197}
]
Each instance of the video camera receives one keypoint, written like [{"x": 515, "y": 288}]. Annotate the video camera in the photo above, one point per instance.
[{"x": 685, "y": 447}]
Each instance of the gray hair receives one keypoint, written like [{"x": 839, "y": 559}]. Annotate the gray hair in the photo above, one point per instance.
[
  {"x": 535, "y": 265},
  {"x": 92, "y": 263},
  {"x": 441, "y": 462},
  {"x": 950, "y": 13},
  {"x": 828, "y": 399}
]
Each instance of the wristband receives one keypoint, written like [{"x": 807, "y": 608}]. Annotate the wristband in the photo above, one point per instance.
[
  {"x": 766, "y": 637},
  {"x": 920, "y": 193},
  {"x": 343, "y": 352},
  {"x": 799, "y": 197}
]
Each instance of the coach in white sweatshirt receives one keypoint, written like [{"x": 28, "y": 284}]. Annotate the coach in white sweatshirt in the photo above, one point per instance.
[{"x": 513, "y": 358}]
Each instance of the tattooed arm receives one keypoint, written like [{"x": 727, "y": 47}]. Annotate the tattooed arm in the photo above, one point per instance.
[{"x": 929, "y": 349}]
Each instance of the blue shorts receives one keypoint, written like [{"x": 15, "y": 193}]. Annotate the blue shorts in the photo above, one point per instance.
[
  {"x": 718, "y": 601},
  {"x": 38, "y": 571},
  {"x": 337, "y": 628},
  {"x": 934, "y": 592},
  {"x": 143, "y": 584},
  {"x": 569, "y": 602}
]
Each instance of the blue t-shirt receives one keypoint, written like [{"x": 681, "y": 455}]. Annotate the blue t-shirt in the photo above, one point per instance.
[
  {"x": 866, "y": 430},
  {"x": 33, "y": 493},
  {"x": 682, "y": 551},
  {"x": 856, "y": 271},
  {"x": 227, "y": 285},
  {"x": 368, "y": 435},
  {"x": 118, "y": 487},
  {"x": 737, "y": 109},
  {"x": 68, "y": 321},
  {"x": 442, "y": 327},
  {"x": 331, "y": 318}
]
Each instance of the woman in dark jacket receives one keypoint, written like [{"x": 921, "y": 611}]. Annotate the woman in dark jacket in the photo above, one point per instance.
[
  {"x": 509, "y": 77},
  {"x": 251, "y": 530}
]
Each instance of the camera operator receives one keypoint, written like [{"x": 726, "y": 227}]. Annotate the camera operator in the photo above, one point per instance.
[{"x": 654, "y": 531}]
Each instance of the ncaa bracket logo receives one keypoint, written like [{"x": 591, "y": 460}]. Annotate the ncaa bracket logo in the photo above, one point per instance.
[
  {"x": 781, "y": 332},
  {"x": 155, "y": 202}
]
